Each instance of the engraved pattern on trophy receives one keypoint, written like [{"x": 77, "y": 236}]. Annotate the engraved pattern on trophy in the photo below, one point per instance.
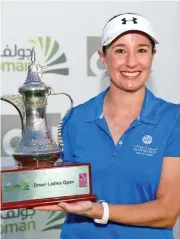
[
  {"x": 36, "y": 147},
  {"x": 36, "y": 102}
]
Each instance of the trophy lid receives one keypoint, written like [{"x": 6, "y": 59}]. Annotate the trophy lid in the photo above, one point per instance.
[{"x": 34, "y": 76}]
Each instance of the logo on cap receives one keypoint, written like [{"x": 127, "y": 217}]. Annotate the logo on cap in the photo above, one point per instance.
[{"x": 124, "y": 20}]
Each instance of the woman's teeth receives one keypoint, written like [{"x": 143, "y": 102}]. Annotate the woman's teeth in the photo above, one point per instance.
[{"x": 131, "y": 73}]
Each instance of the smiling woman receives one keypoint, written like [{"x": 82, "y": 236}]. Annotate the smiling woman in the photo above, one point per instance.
[
  {"x": 131, "y": 138},
  {"x": 128, "y": 60},
  {"x": 128, "y": 50}
]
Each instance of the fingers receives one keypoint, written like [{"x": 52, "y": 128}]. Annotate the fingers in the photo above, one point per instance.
[
  {"x": 49, "y": 208},
  {"x": 68, "y": 207}
]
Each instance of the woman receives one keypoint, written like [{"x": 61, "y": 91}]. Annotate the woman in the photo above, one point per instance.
[{"x": 132, "y": 140}]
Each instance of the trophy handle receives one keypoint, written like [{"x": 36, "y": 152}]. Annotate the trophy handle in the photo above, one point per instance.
[
  {"x": 17, "y": 102},
  {"x": 59, "y": 128}
]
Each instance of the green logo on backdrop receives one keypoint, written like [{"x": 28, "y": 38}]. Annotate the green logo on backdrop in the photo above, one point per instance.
[
  {"x": 55, "y": 221},
  {"x": 17, "y": 59},
  {"x": 14, "y": 187}
]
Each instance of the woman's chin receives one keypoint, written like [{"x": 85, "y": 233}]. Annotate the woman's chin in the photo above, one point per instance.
[{"x": 131, "y": 87}]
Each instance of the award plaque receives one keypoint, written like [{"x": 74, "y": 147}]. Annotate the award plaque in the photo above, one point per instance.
[
  {"x": 41, "y": 177},
  {"x": 30, "y": 187}
]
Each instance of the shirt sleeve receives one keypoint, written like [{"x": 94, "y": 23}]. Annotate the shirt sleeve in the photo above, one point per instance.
[
  {"x": 173, "y": 144},
  {"x": 67, "y": 152}
]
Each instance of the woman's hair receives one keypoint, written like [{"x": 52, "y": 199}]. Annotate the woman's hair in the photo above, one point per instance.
[{"x": 104, "y": 48}]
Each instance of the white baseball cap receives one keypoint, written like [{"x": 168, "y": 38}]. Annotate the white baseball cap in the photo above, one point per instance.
[{"x": 124, "y": 23}]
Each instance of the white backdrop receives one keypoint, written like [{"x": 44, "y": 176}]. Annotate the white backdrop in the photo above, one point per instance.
[{"x": 75, "y": 28}]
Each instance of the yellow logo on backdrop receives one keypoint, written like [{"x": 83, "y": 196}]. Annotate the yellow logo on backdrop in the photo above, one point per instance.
[{"x": 17, "y": 59}]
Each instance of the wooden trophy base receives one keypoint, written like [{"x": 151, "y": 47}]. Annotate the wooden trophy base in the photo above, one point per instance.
[{"x": 44, "y": 202}]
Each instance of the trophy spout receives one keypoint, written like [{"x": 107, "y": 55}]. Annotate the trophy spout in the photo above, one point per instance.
[{"x": 17, "y": 102}]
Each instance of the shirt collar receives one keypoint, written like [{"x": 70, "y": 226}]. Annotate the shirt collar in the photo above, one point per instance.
[
  {"x": 148, "y": 112},
  {"x": 95, "y": 111}
]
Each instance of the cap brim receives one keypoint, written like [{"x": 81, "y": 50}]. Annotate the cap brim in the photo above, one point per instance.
[{"x": 110, "y": 39}]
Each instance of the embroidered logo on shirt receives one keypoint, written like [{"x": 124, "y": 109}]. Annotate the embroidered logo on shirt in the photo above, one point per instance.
[
  {"x": 82, "y": 180},
  {"x": 145, "y": 149},
  {"x": 147, "y": 139}
]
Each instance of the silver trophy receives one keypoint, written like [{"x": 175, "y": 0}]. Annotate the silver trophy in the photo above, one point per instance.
[
  {"x": 36, "y": 145},
  {"x": 37, "y": 180}
]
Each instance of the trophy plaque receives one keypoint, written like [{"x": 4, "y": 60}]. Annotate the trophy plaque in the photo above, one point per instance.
[{"x": 40, "y": 177}]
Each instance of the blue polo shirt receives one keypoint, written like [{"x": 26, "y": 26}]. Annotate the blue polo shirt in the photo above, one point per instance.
[{"x": 125, "y": 173}]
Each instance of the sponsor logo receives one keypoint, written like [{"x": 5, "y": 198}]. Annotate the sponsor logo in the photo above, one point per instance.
[
  {"x": 126, "y": 20},
  {"x": 94, "y": 64},
  {"x": 17, "y": 59},
  {"x": 9, "y": 187},
  {"x": 147, "y": 139},
  {"x": 145, "y": 149},
  {"x": 55, "y": 221},
  {"x": 25, "y": 222},
  {"x": 51, "y": 55},
  {"x": 82, "y": 180}
]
